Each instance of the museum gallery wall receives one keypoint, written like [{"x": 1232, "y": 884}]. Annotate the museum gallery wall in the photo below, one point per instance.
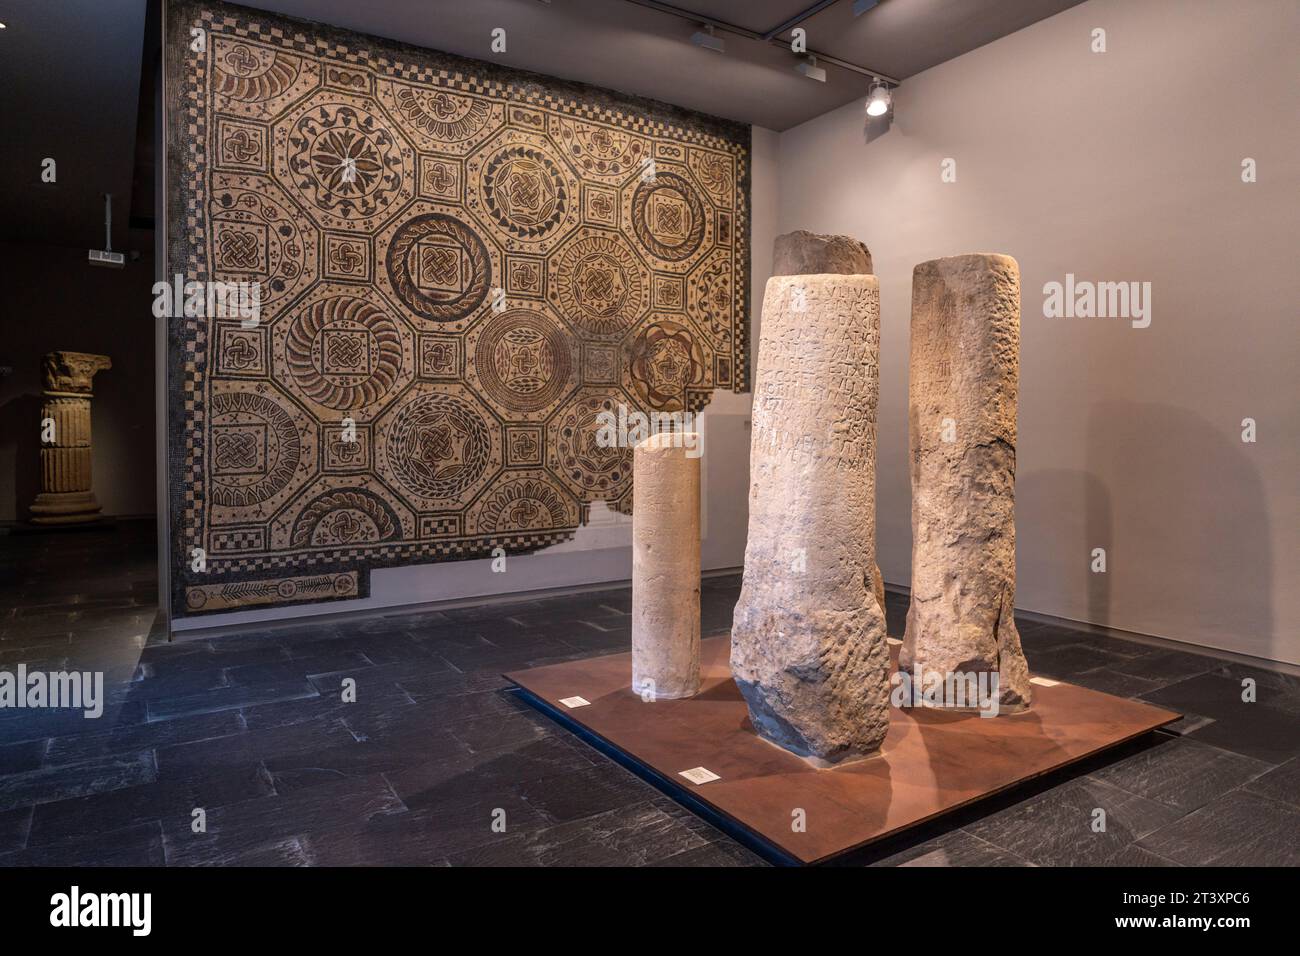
[{"x": 459, "y": 268}]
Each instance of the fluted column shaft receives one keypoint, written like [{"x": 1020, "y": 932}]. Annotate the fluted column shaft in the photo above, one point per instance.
[{"x": 66, "y": 483}]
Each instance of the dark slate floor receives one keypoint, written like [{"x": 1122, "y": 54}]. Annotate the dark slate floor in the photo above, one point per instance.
[{"x": 250, "y": 728}]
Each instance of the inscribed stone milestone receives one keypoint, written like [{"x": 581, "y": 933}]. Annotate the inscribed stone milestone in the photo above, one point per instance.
[
  {"x": 962, "y": 394},
  {"x": 666, "y": 567},
  {"x": 808, "y": 647},
  {"x": 461, "y": 268},
  {"x": 808, "y": 253}
]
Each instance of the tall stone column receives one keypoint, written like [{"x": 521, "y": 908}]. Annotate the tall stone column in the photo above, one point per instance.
[
  {"x": 666, "y": 567},
  {"x": 808, "y": 645},
  {"x": 962, "y": 391},
  {"x": 66, "y": 496},
  {"x": 808, "y": 253}
]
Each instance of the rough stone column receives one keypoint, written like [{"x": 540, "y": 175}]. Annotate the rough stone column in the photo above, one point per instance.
[
  {"x": 809, "y": 253},
  {"x": 808, "y": 646},
  {"x": 962, "y": 390},
  {"x": 66, "y": 496},
  {"x": 666, "y": 567}
]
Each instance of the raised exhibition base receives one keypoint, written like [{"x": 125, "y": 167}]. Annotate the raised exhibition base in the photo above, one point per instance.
[{"x": 932, "y": 762}]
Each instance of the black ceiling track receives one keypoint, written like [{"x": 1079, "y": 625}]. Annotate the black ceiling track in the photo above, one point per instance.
[{"x": 770, "y": 36}]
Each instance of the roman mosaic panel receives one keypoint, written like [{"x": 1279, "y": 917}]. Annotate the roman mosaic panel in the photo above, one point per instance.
[{"x": 460, "y": 267}]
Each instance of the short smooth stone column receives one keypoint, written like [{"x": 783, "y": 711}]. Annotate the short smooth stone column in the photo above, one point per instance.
[
  {"x": 808, "y": 644},
  {"x": 962, "y": 391},
  {"x": 666, "y": 567}
]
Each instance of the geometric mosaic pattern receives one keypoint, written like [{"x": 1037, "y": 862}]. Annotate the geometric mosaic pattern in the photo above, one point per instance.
[{"x": 461, "y": 266}]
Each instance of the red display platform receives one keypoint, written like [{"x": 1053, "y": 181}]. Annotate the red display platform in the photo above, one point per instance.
[{"x": 932, "y": 762}]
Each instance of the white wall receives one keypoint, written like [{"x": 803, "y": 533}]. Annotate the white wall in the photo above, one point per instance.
[
  {"x": 600, "y": 552},
  {"x": 1116, "y": 166}
]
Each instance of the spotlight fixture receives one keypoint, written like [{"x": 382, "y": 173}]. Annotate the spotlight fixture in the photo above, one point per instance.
[
  {"x": 810, "y": 69},
  {"x": 880, "y": 111},
  {"x": 862, "y": 6},
  {"x": 878, "y": 100},
  {"x": 704, "y": 37}
]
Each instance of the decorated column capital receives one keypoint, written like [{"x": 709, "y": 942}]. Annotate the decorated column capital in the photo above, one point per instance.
[{"x": 70, "y": 373}]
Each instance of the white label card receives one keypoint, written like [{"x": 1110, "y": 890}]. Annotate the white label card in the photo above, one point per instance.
[
  {"x": 572, "y": 702},
  {"x": 1043, "y": 681},
  {"x": 699, "y": 775}
]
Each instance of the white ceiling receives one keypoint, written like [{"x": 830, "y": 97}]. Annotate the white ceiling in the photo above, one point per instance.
[
  {"x": 622, "y": 45},
  {"x": 70, "y": 73}
]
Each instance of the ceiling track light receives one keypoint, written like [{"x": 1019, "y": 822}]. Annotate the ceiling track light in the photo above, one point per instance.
[
  {"x": 809, "y": 68},
  {"x": 705, "y": 38},
  {"x": 879, "y": 99},
  {"x": 880, "y": 111},
  {"x": 770, "y": 36}
]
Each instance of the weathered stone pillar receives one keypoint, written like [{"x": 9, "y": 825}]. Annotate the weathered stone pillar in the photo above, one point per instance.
[
  {"x": 66, "y": 496},
  {"x": 808, "y": 646},
  {"x": 809, "y": 253},
  {"x": 666, "y": 567},
  {"x": 964, "y": 379}
]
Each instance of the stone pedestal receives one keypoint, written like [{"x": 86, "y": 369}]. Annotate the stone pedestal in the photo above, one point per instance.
[
  {"x": 666, "y": 567},
  {"x": 808, "y": 645},
  {"x": 962, "y": 393},
  {"x": 66, "y": 496}
]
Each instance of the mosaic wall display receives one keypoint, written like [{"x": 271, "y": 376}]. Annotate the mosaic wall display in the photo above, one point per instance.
[{"x": 461, "y": 266}]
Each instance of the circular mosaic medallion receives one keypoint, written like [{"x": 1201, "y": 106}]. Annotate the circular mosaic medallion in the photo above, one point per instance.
[
  {"x": 348, "y": 516},
  {"x": 591, "y": 464},
  {"x": 524, "y": 192},
  {"x": 599, "y": 285},
  {"x": 438, "y": 445},
  {"x": 665, "y": 362},
  {"x": 438, "y": 267},
  {"x": 715, "y": 173},
  {"x": 254, "y": 446},
  {"x": 523, "y": 361},
  {"x": 525, "y": 504},
  {"x": 344, "y": 161},
  {"x": 343, "y": 352},
  {"x": 668, "y": 217}
]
